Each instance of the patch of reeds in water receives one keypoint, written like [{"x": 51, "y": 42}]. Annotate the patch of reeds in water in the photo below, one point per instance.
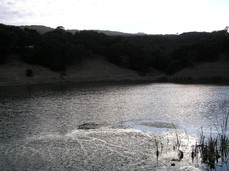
[{"x": 213, "y": 149}]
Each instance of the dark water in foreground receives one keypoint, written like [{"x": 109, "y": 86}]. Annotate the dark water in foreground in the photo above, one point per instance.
[{"x": 39, "y": 124}]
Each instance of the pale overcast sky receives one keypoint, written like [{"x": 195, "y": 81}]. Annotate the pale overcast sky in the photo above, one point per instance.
[{"x": 132, "y": 16}]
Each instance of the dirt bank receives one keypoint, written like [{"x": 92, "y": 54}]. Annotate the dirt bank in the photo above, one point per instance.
[
  {"x": 91, "y": 70},
  {"x": 13, "y": 72}
]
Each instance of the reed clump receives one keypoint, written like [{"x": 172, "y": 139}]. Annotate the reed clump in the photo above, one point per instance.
[{"x": 213, "y": 150}]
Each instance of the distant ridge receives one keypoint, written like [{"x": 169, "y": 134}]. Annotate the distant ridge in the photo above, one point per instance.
[
  {"x": 114, "y": 33},
  {"x": 43, "y": 29}
]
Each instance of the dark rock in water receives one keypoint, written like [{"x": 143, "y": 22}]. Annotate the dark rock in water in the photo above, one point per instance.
[
  {"x": 88, "y": 126},
  {"x": 159, "y": 125},
  {"x": 173, "y": 164},
  {"x": 180, "y": 155}
]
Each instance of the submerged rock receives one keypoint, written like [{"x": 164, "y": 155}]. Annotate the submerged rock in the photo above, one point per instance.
[
  {"x": 90, "y": 125},
  {"x": 159, "y": 125},
  {"x": 173, "y": 164}
]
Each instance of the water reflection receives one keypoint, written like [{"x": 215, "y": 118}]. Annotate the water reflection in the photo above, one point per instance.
[
  {"x": 43, "y": 121},
  {"x": 61, "y": 108}
]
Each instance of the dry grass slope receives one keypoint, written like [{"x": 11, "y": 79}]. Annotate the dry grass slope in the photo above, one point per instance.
[{"x": 13, "y": 72}]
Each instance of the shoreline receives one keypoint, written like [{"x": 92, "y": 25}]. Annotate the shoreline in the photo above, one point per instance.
[
  {"x": 160, "y": 80},
  {"x": 99, "y": 70}
]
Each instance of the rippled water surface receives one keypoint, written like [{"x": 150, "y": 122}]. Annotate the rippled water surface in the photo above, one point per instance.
[{"x": 43, "y": 121}]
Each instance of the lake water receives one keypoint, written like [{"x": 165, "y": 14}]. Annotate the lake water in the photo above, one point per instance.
[{"x": 38, "y": 124}]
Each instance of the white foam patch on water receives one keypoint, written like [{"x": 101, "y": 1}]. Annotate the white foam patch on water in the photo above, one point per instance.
[{"x": 95, "y": 149}]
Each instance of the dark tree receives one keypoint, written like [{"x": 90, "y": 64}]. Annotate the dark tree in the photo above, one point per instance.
[{"x": 29, "y": 73}]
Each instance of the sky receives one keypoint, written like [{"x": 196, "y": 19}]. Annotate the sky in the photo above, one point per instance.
[{"x": 130, "y": 16}]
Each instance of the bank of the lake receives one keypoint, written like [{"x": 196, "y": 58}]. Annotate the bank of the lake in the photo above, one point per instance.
[
  {"x": 98, "y": 69},
  {"x": 91, "y": 70}
]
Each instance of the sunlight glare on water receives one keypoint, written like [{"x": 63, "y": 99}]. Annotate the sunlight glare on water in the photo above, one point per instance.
[{"x": 43, "y": 122}]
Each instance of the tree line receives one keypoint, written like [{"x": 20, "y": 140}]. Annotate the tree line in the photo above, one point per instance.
[{"x": 58, "y": 48}]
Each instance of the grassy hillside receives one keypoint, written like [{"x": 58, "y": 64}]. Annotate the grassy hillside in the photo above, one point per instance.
[
  {"x": 171, "y": 55},
  {"x": 91, "y": 70}
]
